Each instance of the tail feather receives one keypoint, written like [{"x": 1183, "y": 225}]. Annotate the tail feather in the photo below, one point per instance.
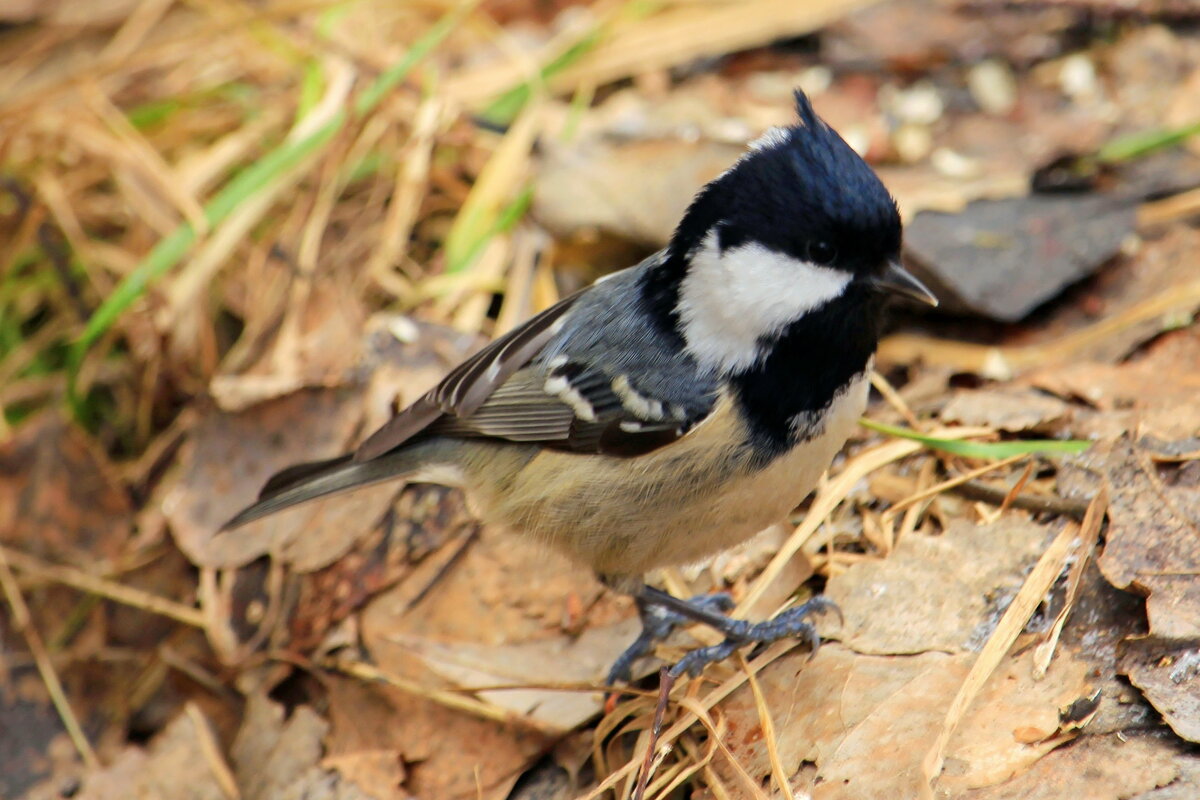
[
  {"x": 296, "y": 473},
  {"x": 304, "y": 482}
]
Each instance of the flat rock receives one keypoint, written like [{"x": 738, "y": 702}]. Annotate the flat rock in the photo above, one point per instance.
[{"x": 1002, "y": 258}]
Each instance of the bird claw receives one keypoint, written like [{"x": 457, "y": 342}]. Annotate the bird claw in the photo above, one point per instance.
[{"x": 658, "y": 622}]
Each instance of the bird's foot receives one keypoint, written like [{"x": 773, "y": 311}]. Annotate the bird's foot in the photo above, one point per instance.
[
  {"x": 661, "y": 613},
  {"x": 658, "y": 623},
  {"x": 792, "y": 623}
]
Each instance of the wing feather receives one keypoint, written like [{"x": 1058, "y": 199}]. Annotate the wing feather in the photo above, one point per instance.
[
  {"x": 580, "y": 412},
  {"x": 469, "y": 384},
  {"x": 506, "y": 392}
]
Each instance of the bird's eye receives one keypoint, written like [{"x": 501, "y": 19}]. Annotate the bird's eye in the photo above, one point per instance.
[{"x": 821, "y": 252}]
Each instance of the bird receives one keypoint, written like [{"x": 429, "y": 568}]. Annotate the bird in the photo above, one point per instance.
[{"x": 677, "y": 407}]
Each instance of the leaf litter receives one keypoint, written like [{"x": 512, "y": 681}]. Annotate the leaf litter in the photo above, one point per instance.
[{"x": 247, "y": 210}]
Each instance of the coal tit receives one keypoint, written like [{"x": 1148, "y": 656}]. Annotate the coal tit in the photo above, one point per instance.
[{"x": 675, "y": 408}]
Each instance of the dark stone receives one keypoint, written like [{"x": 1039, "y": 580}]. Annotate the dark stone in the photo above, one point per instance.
[{"x": 1002, "y": 258}]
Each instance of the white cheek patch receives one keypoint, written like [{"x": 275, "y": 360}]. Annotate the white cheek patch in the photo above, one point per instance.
[{"x": 730, "y": 300}]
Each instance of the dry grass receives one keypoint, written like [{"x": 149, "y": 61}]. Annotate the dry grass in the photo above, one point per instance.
[{"x": 167, "y": 171}]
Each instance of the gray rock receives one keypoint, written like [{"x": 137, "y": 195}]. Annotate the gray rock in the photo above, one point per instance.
[{"x": 1002, "y": 258}]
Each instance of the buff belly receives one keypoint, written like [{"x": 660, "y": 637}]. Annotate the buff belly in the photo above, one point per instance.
[{"x": 625, "y": 516}]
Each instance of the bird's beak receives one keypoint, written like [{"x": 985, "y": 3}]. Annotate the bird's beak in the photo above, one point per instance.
[{"x": 899, "y": 280}]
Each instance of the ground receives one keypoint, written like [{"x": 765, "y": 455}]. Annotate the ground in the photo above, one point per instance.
[{"x": 235, "y": 236}]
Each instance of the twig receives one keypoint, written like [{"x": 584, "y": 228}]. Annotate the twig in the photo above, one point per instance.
[
  {"x": 1169, "y": 209},
  {"x": 1089, "y": 533},
  {"x": 718, "y": 735},
  {"x": 460, "y": 701},
  {"x": 693, "y": 707},
  {"x": 102, "y": 587},
  {"x": 952, "y": 483},
  {"x": 1039, "y": 581},
  {"x": 1017, "y": 487},
  {"x": 687, "y": 771},
  {"x": 665, "y": 682},
  {"x": 23, "y": 622},
  {"x": 831, "y": 495},
  {"x": 889, "y": 393},
  {"x": 1003, "y": 362},
  {"x": 768, "y": 728},
  {"x": 212, "y": 752},
  {"x": 1051, "y": 504}
]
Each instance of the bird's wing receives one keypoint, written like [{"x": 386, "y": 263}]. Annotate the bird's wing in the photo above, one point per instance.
[
  {"x": 576, "y": 406},
  {"x": 468, "y": 385},
  {"x": 576, "y": 400}
]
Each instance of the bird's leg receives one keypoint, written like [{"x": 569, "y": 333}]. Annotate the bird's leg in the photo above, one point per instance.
[{"x": 661, "y": 613}]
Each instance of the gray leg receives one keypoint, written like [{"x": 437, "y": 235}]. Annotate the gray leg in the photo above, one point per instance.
[
  {"x": 657, "y": 624},
  {"x": 661, "y": 613}
]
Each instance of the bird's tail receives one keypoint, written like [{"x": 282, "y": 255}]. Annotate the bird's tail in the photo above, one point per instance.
[{"x": 305, "y": 482}]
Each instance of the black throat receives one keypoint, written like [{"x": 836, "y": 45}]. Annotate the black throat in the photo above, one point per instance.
[{"x": 783, "y": 397}]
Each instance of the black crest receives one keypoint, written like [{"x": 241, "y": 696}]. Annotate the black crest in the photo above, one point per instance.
[{"x": 798, "y": 186}]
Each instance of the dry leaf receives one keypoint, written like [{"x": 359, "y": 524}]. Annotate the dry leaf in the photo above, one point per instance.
[
  {"x": 448, "y": 754},
  {"x": 379, "y": 773},
  {"x": 230, "y": 456},
  {"x": 863, "y": 720},
  {"x": 319, "y": 343},
  {"x": 1093, "y": 767},
  {"x": 637, "y": 190},
  {"x": 1168, "y": 673},
  {"x": 1005, "y": 409},
  {"x": 1168, "y": 365},
  {"x": 274, "y": 749},
  {"x": 172, "y": 766},
  {"x": 35, "y": 753},
  {"x": 423, "y": 520},
  {"x": 539, "y": 664},
  {"x": 59, "y": 495},
  {"x": 503, "y": 589},
  {"x": 1153, "y": 542},
  {"x": 935, "y": 592}
]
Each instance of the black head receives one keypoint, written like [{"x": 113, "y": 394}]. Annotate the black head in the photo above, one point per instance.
[
  {"x": 799, "y": 229},
  {"x": 803, "y": 192}
]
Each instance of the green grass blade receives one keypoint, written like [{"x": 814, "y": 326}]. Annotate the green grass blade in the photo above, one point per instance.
[
  {"x": 1135, "y": 145},
  {"x": 147, "y": 115},
  {"x": 171, "y": 249},
  {"x": 373, "y": 94},
  {"x": 504, "y": 109},
  {"x": 995, "y": 450},
  {"x": 509, "y": 216}
]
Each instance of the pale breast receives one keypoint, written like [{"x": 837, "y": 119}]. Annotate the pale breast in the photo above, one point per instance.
[{"x": 624, "y": 516}]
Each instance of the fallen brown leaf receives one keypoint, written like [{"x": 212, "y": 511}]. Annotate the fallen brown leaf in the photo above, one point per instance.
[
  {"x": 228, "y": 458},
  {"x": 379, "y": 773},
  {"x": 890, "y": 608},
  {"x": 1096, "y": 767},
  {"x": 863, "y": 720},
  {"x": 172, "y": 761},
  {"x": 448, "y": 754},
  {"x": 1153, "y": 543},
  {"x": 1168, "y": 673},
  {"x": 1003, "y": 408},
  {"x": 59, "y": 495}
]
